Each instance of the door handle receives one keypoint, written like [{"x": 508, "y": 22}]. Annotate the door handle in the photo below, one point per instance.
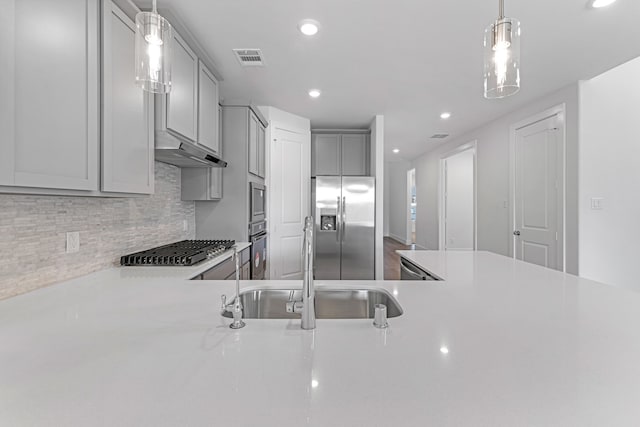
[
  {"x": 338, "y": 227},
  {"x": 516, "y": 233},
  {"x": 344, "y": 217}
]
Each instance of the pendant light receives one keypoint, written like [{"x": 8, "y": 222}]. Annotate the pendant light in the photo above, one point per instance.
[
  {"x": 502, "y": 57},
  {"x": 153, "y": 52}
]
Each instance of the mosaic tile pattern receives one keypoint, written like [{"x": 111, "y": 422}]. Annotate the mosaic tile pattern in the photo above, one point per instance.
[{"x": 33, "y": 232}]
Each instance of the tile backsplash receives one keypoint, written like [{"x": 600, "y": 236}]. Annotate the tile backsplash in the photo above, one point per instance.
[{"x": 33, "y": 231}]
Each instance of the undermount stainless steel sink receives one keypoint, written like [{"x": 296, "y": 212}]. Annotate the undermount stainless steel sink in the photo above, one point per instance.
[{"x": 331, "y": 303}]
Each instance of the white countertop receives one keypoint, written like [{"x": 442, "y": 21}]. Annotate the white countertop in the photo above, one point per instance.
[{"x": 526, "y": 346}]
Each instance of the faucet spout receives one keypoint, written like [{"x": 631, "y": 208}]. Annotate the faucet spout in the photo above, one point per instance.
[
  {"x": 306, "y": 307},
  {"x": 308, "y": 288}
]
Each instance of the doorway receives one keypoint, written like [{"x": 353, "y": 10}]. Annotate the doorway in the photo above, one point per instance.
[
  {"x": 537, "y": 146},
  {"x": 289, "y": 185},
  {"x": 458, "y": 199},
  {"x": 411, "y": 207}
]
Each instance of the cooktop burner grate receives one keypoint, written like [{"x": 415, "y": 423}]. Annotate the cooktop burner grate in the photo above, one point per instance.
[{"x": 183, "y": 253}]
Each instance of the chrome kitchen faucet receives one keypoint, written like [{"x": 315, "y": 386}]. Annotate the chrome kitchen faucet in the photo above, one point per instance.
[{"x": 306, "y": 307}]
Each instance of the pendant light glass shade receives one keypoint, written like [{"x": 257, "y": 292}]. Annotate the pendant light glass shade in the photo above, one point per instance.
[
  {"x": 153, "y": 52},
  {"x": 502, "y": 58}
]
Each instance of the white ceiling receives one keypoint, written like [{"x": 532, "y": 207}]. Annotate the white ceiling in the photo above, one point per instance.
[{"x": 408, "y": 60}]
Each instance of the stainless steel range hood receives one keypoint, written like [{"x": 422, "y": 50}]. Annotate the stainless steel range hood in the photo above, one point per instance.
[{"x": 184, "y": 154}]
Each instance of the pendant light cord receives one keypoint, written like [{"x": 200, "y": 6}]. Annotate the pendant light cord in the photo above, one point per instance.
[
  {"x": 155, "y": 9},
  {"x": 500, "y": 8}
]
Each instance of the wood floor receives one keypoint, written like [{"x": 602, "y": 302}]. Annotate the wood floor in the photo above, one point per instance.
[{"x": 391, "y": 259}]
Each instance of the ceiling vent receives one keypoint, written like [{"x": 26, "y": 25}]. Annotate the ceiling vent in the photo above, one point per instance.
[
  {"x": 249, "y": 57},
  {"x": 439, "y": 136}
]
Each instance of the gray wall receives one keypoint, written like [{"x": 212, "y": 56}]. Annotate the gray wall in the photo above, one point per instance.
[
  {"x": 396, "y": 199},
  {"x": 609, "y": 153},
  {"x": 33, "y": 231},
  {"x": 494, "y": 228}
]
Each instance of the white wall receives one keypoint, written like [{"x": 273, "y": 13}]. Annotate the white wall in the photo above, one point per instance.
[
  {"x": 494, "y": 230},
  {"x": 460, "y": 201},
  {"x": 609, "y": 155},
  {"x": 396, "y": 199},
  {"x": 377, "y": 170}
]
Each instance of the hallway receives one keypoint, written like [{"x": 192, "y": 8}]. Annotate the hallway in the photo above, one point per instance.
[{"x": 391, "y": 259}]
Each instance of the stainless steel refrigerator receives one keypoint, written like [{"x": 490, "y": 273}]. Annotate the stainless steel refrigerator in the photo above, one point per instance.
[{"x": 344, "y": 213}]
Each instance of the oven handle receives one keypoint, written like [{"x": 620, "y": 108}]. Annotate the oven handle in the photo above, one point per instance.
[{"x": 257, "y": 237}]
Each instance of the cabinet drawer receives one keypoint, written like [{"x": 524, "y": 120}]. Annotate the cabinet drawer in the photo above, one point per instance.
[{"x": 220, "y": 271}]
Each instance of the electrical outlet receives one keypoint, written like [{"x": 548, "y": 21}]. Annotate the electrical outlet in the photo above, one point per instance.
[
  {"x": 185, "y": 225},
  {"x": 73, "y": 242},
  {"x": 597, "y": 203}
]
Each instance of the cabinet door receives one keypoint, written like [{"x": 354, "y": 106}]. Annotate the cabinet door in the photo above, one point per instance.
[
  {"x": 253, "y": 143},
  {"x": 127, "y": 142},
  {"x": 325, "y": 155},
  {"x": 246, "y": 271},
  {"x": 49, "y": 93},
  {"x": 215, "y": 191},
  {"x": 262, "y": 159},
  {"x": 355, "y": 155},
  {"x": 207, "y": 109},
  {"x": 215, "y": 183},
  {"x": 182, "y": 101}
]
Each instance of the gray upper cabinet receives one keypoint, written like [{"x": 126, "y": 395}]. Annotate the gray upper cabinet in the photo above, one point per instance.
[
  {"x": 326, "y": 154},
  {"x": 340, "y": 154},
  {"x": 177, "y": 111},
  {"x": 254, "y": 150},
  {"x": 208, "y": 122},
  {"x": 204, "y": 183},
  {"x": 262, "y": 135},
  {"x": 127, "y": 125},
  {"x": 49, "y": 63},
  {"x": 355, "y": 154},
  {"x": 257, "y": 146}
]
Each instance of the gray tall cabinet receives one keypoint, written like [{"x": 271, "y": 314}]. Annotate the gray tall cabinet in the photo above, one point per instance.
[{"x": 243, "y": 145}]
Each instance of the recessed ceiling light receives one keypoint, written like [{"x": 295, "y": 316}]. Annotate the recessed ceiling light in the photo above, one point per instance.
[
  {"x": 314, "y": 93},
  {"x": 395, "y": 150},
  {"x": 601, "y": 3},
  {"x": 444, "y": 350},
  {"x": 445, "y": 115},
  {"x": 309, "y": 27}
]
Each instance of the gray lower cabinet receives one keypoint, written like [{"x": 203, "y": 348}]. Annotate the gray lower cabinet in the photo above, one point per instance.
[
  {"x": 49, "y": 89},
  {"x": 340, "y": 154},
  {"x": 127, "y": 121},
  {"x": 226, "y": 270}
]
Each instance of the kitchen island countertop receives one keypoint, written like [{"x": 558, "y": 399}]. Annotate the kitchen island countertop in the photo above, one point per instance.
[{"x": 498, "y": 343}]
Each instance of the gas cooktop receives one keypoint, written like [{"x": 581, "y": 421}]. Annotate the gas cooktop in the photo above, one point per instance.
[{"x": 183, "y": 253}]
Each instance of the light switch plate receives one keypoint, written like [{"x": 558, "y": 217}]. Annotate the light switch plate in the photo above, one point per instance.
[
  {"x": 73, "y": 242},
  {"x": 597, "y": 203}
]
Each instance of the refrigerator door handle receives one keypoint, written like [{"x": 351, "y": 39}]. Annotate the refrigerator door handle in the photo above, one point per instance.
[
  {"x": 344, "y": 217},
  {"x": 338, "y": 227}
]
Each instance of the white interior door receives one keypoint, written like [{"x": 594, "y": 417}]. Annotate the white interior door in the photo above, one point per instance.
[
  {"x": 538, "y": 193},
  {"x": 289, "y": 200},
  {"x": 459, "y": 201}
]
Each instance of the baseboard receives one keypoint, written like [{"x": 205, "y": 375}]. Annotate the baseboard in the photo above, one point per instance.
[{"x": 398, "y": 239}]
